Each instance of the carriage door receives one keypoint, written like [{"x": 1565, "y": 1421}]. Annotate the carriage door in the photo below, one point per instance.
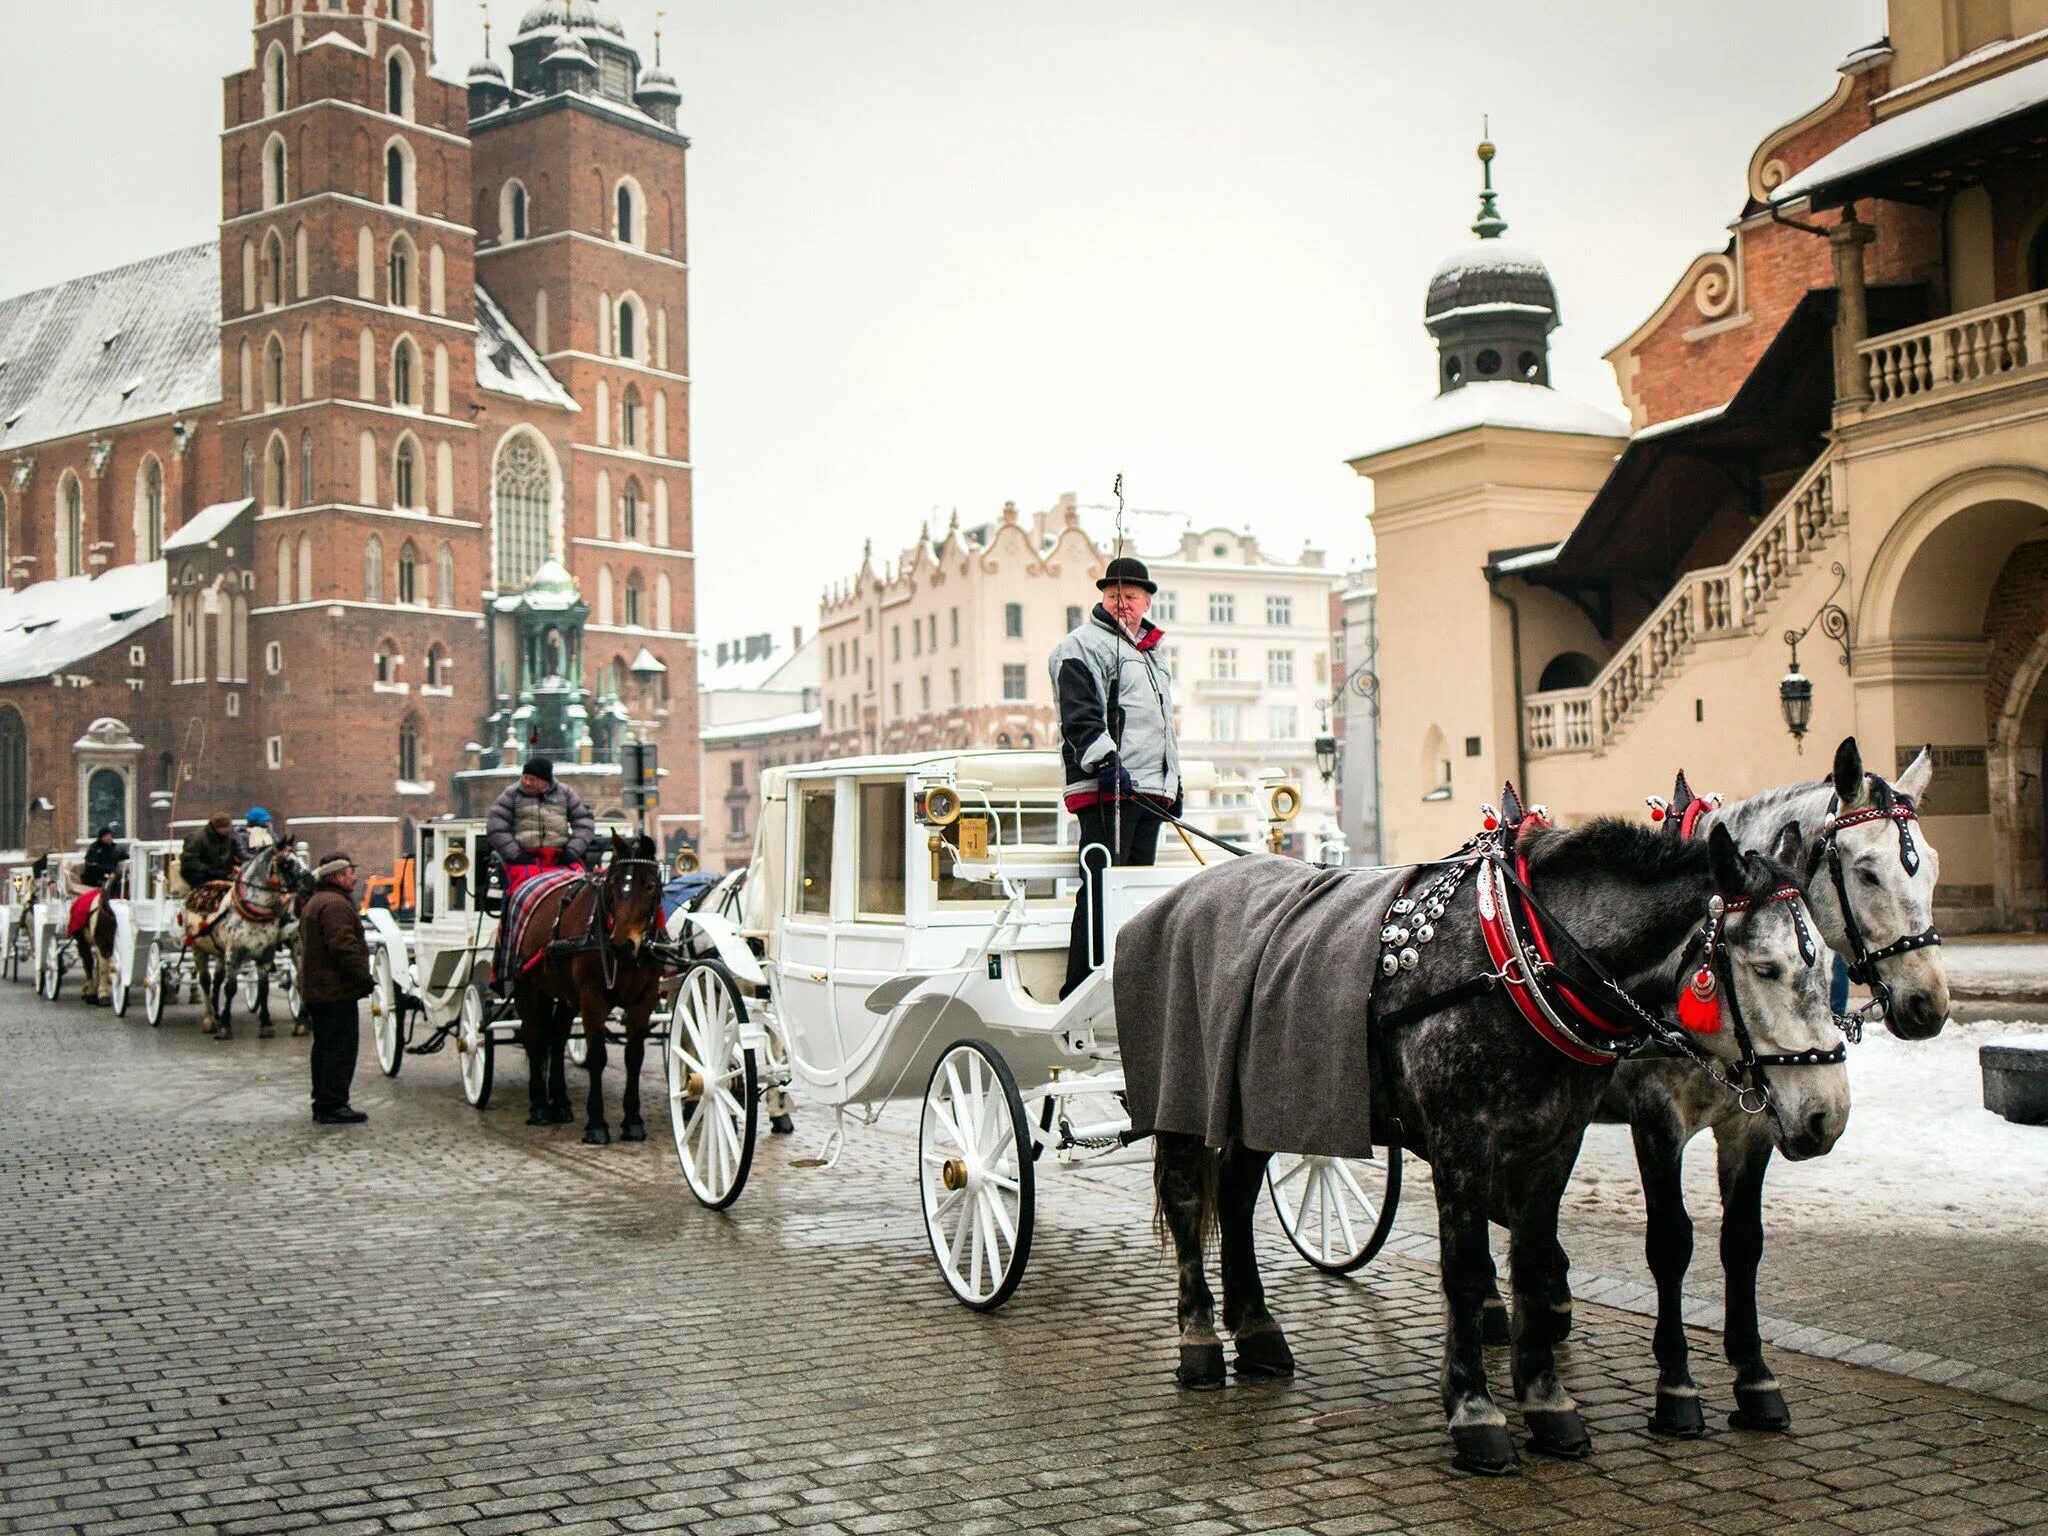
[
  {"x": 804, "y": 971},
  {"x": 870, "y": 933}
]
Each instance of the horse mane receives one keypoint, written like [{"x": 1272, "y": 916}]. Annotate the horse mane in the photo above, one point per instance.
[{"x": 1607, "y": 844}]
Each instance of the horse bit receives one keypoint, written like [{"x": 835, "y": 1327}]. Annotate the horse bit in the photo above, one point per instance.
[{"x": 1863, "y": 960}]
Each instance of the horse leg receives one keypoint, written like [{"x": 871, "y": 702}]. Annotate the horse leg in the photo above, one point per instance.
[
  {"x": 224, "y": 996},
  {"x": 88, "y": 977},
  {"x": 595, "y": 1132},
  {"x": 1261, "y": 1346},
  {"x": 1660, "y": 1156},
  {"x": 1555, "y": 1428},
  {"x": 1184, "y": 1183},
  {"x": 630, "y": 1126},
  {"x": 1745, "y": 1154},
  {"x": 534, "y": 1040},
  {"x": 560, "y": 1111},
  {"x": 1479, "y": 1430},
  {"x": 264, "y": 1028}
]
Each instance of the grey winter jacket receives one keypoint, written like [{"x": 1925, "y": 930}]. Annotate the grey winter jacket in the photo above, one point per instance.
[
  {"x": 1114, "y": 696},
  {"x": 556, "y": 818}
]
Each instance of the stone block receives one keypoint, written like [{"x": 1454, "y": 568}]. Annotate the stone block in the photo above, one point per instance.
[{"x": 2016, "y": 1078}]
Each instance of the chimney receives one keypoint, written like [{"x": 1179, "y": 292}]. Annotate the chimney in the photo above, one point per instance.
[{"x": 796, "y": 638}]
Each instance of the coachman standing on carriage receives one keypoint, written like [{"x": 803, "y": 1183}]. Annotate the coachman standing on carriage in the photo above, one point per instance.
[{"x": 1116, "y": 737}]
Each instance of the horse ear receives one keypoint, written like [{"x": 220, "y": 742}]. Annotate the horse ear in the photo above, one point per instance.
[
  {"x": 1725, "y": 859},
  {"x": 1790, "y": 844},
  {"x": 1919, "y": 774},
  {"x": 1848, "y": 774}
]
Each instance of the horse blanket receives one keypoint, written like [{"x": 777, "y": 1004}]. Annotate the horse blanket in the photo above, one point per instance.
[
  {"x": 81, "y": 913},
  {"x": 204, "y": 906},
  {"x": 517, "y": 925},
  {"x": 1241, "y": 1005}
]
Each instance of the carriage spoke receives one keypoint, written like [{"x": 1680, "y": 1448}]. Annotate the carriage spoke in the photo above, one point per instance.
[
  {"x": 1299, "y": 1167},
  {"x": 999, "y": 1214},
  {"x": 1351, "y": 1184},
  {"x": 1308, "y": 1190}
]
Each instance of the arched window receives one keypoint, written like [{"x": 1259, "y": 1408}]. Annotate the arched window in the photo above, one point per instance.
[
  {"x": 305, "y": 567},
  {"x": 399, "y": 274},
  {"x": 247, "y": 360},
  {"x": 276, "y": 93},
  {"x": 387, "y": 662},
  {"x": 408, "y": 573},
  {"x": 437, "y": 665},
  {"x": 305, "y": 362},
  {"x": 398, "y": 178},
  {"x": 522, "y": 491},
  {"x": 13, "y": 777},
  {"x": 664, "y": 608},
  {"x": 398, "y": 83},
  {"x": 409, "y": 750},
  {"x": 629, "y": 214},
  {"x": 629, "y": 415},
  {"x": 405, "y": 373},
  {"x": 636, "y": 601},
  {"x": 273, "y": 269},
  {"x": 249, "y": 468},
  {"x": 628, "y": 330},
  {"x": 284, "y": 570},
  {"x": 512, "y": 212},
  {"x": 629, "y": 511},
  {"x": 302, "y": 258},
  {"x": 1567, "y": 669},
  {"x": 373, "y": 570},
  {"x": 70, "y": 526},
  {"x": 306, "y": 468},
  {"x": 275, "y": 188},
  {"x": 276, "y": 474},
  {"x": 273, "y": 373},
  {"x": 444, "y": 578},
  {"x": 149, "y": 511},
  {"x": 5, "y": 544},
  {"x": 249, "y": 284},
  {"x": 604, "y": 594},
  {"x": 405, "y": 474}
]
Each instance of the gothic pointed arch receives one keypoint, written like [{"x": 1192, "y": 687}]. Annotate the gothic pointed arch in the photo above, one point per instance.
[
  {"x": 13, "y": 778},
  {"x": 525, "y": 502},
  {"x": 149, "y": 508}
]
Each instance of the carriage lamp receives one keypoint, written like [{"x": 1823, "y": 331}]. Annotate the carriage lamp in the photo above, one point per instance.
[
  {"x": 1795, "y": 698},
  {"x": 1795, "y": 688}
]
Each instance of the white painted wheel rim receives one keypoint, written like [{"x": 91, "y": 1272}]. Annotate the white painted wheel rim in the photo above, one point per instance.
[
  {"x": 383, "y": 1011},
  {"x": 153, "y": 984},
  {"x": 704, "y": 1044},
  {"x": 1323, "y": 1206},
  {"x": 472, "y": 1045},
  {"x": 967, "y": 1125},
  {"x": 250, "y": 985}
]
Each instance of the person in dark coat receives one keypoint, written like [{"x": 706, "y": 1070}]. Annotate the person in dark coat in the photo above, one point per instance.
[
  {"x": 209, "y": 853},
  {"x": 334, "y": 976},
  {"x": 103, "y": 858},
  {"x": 538, "y": 824}
]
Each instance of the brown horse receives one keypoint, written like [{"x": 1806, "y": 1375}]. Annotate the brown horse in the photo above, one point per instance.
[
  {"x": 582, "y": 948},
  {"x": 96, "y": 941}
]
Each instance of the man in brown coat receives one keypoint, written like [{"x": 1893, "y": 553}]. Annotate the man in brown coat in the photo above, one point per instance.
[{"x": 334, "y": 975}]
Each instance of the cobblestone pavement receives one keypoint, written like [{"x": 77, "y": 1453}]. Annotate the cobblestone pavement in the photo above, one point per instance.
[{"x": 216, "y": 1316}]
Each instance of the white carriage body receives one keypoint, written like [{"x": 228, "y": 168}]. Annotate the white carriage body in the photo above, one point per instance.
[{"x": 447, "y": 948}]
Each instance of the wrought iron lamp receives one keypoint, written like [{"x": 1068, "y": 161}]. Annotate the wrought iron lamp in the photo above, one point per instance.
[
  {"x": 1326, "y": 744},
  {"x": 1795, "y": 688}
]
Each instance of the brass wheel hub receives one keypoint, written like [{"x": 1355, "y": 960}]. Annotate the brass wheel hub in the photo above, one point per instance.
[
  {"x": 693, "y": 1086},
  {"x": 953, "y": 1174}
]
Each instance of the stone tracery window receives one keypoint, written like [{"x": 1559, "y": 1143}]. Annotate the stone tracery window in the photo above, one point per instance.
[{"x": 522, "y": 489}]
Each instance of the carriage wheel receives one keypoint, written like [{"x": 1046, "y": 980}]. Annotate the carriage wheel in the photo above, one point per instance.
[
  {"x": 974, "y": 1177},
  {"x": 50, "y": 974},
  {"x": 476, "y": 1050},
  {"x": 156, "y": 982},
  {"x": 11, "y": 961},
  {"x": 248, "y": 985},
  {"x": 118, "y": 988},
  {"x": 384, "y": 1013},
  {"x": 713, "y": 1089},
  {"x": 1337, "y": 1211},
  {"x": 294, "y": 998}
]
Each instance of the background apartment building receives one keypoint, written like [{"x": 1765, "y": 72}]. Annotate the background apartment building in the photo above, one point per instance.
[{"x": 758, "y": 699}]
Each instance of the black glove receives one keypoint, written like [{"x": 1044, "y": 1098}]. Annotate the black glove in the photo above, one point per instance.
[{"x": 1113, "y": 780}]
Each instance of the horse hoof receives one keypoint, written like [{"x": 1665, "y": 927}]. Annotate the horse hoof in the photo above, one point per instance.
[
  {"x": 1494, "y": 1329},
  {"x": 561, "y": 1114},
  {"x": 633, "y": 1131},
  {"x": 266, "y": 1033},
  {"x": 596, "y": 1136},
  {"x": 1483, "y": 1448},
  {"x": 300, "y": 1029},
  {"x": 781, "y": 1125},
  {"x": 1678, "y": 1416},
  {"x": 1558, "y": 1433},
  {"x": 1265, "y": 1354},
  {"x": 1201, "y": 1367},
  {"x": 222, "y": 1034},
  {"x": 1762, "y": 1409},
  {"x": 539, "y": 1117}
]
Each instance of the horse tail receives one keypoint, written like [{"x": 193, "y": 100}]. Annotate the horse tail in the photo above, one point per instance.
[{"x": 1176, "y": 1161}]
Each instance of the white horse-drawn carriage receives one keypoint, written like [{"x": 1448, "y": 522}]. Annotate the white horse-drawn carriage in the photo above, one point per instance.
[
  {"x": 50, "y": 946},
  {"x": 17, "y": 903},
  {"x": 903, "y": 935},
  {"x": 153, "y": 940}
]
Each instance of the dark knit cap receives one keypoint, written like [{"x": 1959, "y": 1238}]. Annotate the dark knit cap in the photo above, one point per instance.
[{"x": 539, "y": 768}]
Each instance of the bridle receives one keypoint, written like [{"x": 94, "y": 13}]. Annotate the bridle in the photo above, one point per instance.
[
  {"x": 604, "y": 917},
  {"x": 272, "y": 886},
  {"x": 1893, "y": 806}
]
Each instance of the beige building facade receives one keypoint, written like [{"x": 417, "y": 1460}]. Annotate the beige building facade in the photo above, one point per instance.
[
  {"x": 757, "y": 699},
  {"x": 1838, "y": 439}
]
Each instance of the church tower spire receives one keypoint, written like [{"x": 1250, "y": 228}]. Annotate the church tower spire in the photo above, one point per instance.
[{"x": 1492, "y": 305}]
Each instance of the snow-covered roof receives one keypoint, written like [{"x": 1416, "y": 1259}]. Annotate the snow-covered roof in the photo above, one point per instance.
[
  {"x": 1498, "y": 403},
  {"x": 1528, "y": 559},
  {"x": 742, "y": 673},
  {"x": 53, "y": 625},
  {"x": 647, "y": 661},
  {"x": 774, "y": 725},
  {"x": 116, "y": 347},
  {"x": 1922, "y": 128},
  {"x": 208, "y": 525},
  {"x": 506, "y": 362}
]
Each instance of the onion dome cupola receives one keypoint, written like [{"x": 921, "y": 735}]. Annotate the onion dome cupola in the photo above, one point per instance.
[
  {"x": 574, "y": 45},
  {"x": 488, "y": 87},
  {"x": 1491, "y": 305},
  {"x": 659, "y": 96}
]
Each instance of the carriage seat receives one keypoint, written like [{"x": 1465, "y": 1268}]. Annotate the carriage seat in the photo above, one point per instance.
[{"x": 71, "y": 877}]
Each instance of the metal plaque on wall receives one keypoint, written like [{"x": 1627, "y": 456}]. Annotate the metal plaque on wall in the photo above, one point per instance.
[{"x": 1962, "y": 781}]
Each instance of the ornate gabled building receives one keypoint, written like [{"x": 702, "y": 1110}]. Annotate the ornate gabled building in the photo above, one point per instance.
[{"x": 399, "y": 468}]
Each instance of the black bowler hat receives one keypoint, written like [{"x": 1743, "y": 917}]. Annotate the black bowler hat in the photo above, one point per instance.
[{"x": 1126, "y": 572}]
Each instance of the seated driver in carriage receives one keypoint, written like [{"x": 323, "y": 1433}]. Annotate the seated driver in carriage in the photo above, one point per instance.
[
  {"x": 104, "y": 858},
  {"x": 536, "y": 825},
  {"x": 209, "y": 853}
]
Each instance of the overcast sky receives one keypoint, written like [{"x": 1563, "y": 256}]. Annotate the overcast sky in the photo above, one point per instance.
[{"x": 951, "y": 252}]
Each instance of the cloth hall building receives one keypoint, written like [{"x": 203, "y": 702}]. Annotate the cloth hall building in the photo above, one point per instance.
[{"x": 345, "y": 512}]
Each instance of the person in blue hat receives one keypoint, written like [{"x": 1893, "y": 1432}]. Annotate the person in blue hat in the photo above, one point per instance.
[{"x": 254, "y": 835}]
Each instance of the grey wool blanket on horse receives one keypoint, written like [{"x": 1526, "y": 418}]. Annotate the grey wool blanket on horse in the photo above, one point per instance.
[{"x": 1241, "y": 1003}]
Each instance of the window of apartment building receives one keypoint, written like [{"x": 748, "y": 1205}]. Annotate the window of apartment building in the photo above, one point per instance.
[
  {"x": 931, "y": 631},
  {"x": 1014, "y": 680},
  {"x": 895, "y": 642},
  {"x": 1013, "y": 621},
  {"x": 1169, "y": 660},
  {"x": 1223, "y": 662},
  {"x": 273, "y": 751},
  {"x": 924, "y": 692},
  {"x": 916, "y": 638},
  {"x": 831, "y": 662},
  {"x": 1165, "y": 608},
  {"x": 1074, "y": 616},
  {"x": 739, "y": 819},
  {"x": 1222, "y": 608},
  {"x": 832, "y": 714},
  {"x": 1280, "y": 610},
  {"x": 739, "y": 773},
  {"x": 1322, "y": 666},
  {"x": 953, "y": 625},
  {"x": 956, "y": 685},
  {"x": 1282, "y": 724},
  {"x": 896, "y": 699},
  {"x": 1280, "y": 668},
  {"x": 1223, "y": 725}
]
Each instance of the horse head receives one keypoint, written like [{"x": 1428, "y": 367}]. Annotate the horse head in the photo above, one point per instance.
[
  {"x": 1876, "y": 874},
  {"x": 1765, "y": 954},
  {"x": 632, "y": 892}
]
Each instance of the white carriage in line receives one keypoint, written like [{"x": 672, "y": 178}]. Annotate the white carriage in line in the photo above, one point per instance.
[
  {"x": 903, "y": 935},
  {"x": 17, "y": 905},
  {"x": 157, "y": 892},
  {"x": 50, "y": 948}
]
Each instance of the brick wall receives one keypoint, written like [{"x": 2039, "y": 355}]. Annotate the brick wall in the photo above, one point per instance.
[{"x": 2015, "y": 618}]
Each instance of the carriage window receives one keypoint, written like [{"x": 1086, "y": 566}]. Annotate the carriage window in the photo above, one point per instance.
[
  {"x": 1009, "y": 825},
  {"x": 814, "y": 852},
  {"x": 881, "y": 849}
]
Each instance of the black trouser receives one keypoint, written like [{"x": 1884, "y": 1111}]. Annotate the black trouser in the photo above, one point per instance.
[
  {"x": 334, "y": 1054},
  {"x": 1135, "y": 842}
]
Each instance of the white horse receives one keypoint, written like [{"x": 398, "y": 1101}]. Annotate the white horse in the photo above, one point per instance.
[{"x": 229, "y": 924}]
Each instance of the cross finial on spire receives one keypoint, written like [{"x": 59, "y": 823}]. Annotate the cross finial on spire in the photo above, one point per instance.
[
  {"x": 1490, "y": 225},
  {"x": 658, "y": 15},
  {"x": 484, "y": 6}
]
